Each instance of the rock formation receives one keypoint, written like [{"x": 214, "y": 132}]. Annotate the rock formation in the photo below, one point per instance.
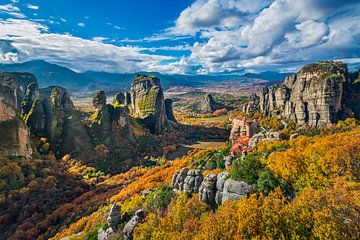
[
  {"x": 147, "y": 103},
  {"x": 119, "y": 99},
  {"x": 235, "y": 190},
  {"x": 52, "y": 115},
  {"x": 169, "y": 110},
  {"x": 220, "y": 181},
  {"x": 15, "y": 136},
  {"x": 187, "y": 180},
  {"x": 207, "y": 190},
  {"x": 315, "y": 96},
  {"x": 193, "y": 180},
  {"x": 267, "y": 136},
  {"x": 113, "y": 221},
  {"x": 132, "y": 224},
  {"x": 213, "y": 189},
  {"x": 209, "y": 105},
  {"x": 111, "y": 123}
]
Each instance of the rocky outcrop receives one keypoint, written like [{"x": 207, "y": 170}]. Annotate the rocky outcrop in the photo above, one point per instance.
[
  {"x": 213, "y": 189},
  {"x": 315, "y": 95},
  {"x": 119, "y": 99},
  {"x": 147, "y": 103},
  {"x": 220, "y": 181},
  {"x": 15, "y": 136},
  {"x": 53, "y": 116},
  {"x": 111, "y": 123},
  {"x": 209, "y": 105},
  {"x": 132, "y": 224},
  {"x": 267, "y": 136},
  {"x": 113, "y": 221},
  {"x": 235, "y": 190},
  {"x": 187, "y": 180},
  {"x": 228, "y": 160},
  {"x": 169, "y": 110},
  {"x": 207, "y": 190}
]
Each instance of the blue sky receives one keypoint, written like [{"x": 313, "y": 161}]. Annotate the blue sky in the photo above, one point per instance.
[{"x": 180, "y": 36}]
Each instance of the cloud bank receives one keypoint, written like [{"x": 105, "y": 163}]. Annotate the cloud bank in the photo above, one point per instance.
[{"x": 226, "y": 36}]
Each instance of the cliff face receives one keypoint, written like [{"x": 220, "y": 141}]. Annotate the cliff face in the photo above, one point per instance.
[
  {"x": 147, "y": 103},
  {"x": 314, "y": 96},
  {"x": 111, "y": 123},
  {"x": 50, "y": 113},
  {"x": 15, "y": 136}
]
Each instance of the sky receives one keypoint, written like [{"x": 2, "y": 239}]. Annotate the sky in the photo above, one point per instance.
[{"x": 180, "y": 36}]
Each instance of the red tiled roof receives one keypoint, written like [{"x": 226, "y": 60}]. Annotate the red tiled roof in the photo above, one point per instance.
[{"x": 241, "y": 144}]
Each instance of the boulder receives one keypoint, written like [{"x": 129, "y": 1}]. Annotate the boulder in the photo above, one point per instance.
[
  {"x": 178, "y": 179},
  {"x": 255, "y": 139},
  {"x": 113, "y": 221},
  {"x": 132, "y": 224},
  {"x": 114, "y": 217},
  {"x": 220, "y": 181},
  {"x": 235, "y": 190},
  {"x": 207, "y": 190},
  {"x": 228, "y": 160},
  {"x": 193, "y": 181}
]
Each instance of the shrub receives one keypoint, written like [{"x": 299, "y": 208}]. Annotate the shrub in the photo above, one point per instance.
[{"x": 158, "y": 200}]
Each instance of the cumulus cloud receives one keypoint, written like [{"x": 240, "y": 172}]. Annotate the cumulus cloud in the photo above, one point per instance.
[
  {"x": 24, "y": 40},
  {"x": 205, "y": 14},
  {"x": 241, "y": 33},
  {"x": 81, "y": 24}
]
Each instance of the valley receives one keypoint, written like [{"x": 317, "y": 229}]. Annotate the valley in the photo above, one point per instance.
[{"x": 179, "y": 164}]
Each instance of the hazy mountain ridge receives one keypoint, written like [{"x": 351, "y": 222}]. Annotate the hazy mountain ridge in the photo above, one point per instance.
[{"x": 49, "y": 74}]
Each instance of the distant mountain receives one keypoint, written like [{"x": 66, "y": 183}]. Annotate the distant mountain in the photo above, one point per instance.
[
  {"x": 49, "y": 74},
  {"x": 268, "y": 75},
  {"x": 124, "y": 80}
]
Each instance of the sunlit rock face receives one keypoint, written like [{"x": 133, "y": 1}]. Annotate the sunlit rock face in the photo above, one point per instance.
[
  {"x": 147, "y": 103},
  {"x": 314, "y": 96},
  {"x": 50, "y": 114},
  {"x": 15, "y": 136},
  {"x": 111, "y": 122}
]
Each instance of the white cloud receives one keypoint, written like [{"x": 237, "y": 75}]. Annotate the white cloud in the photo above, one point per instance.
[
  {"x": 27, "y": 40},
  {"x": 99, "y": 39},
  {"x": 11, "y": 10},
  {"x": 33, "y": 7},
  {"x": 81, "y": 24},
  {"x": 241, "y": 33}
]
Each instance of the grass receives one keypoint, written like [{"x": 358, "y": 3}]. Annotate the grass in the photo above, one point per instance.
[{"x": 211, "y": 119}]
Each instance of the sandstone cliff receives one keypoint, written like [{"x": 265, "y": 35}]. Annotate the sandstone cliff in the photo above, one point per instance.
[
  {"x": 111, "y": 124},
  {"x": 147, "y": 103},
  {"x": 316, "y": 95},
  {"x": 50, "y": 113},
  {"x": 15, "y": 136}
]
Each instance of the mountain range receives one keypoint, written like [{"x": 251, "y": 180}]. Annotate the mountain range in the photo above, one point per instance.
[{"x": 49, "y": 74}]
